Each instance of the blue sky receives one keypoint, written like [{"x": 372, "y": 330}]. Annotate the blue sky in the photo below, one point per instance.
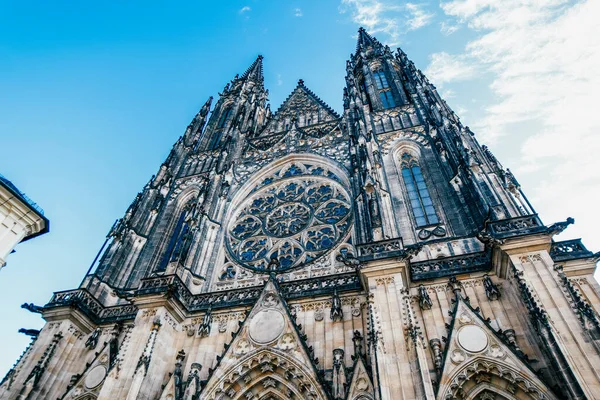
[{"x": 93, "y": 95}]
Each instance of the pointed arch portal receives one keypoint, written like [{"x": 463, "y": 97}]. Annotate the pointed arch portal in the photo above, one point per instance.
[{"x": 267, "y": 372}]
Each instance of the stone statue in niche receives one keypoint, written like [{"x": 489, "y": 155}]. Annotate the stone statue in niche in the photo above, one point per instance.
[
  {"x": 178, "y": 375},
  {"x": 339, "y": 375},
  {"x": 357, "y": 339}
]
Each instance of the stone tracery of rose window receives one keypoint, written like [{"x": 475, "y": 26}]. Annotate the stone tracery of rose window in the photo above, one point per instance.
[{"x": 295, "y": 220}]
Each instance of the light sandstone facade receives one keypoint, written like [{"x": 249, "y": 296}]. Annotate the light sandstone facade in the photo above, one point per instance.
[
  {"x": 20, "y": 219},
  {"x": 302, "y": 254}
]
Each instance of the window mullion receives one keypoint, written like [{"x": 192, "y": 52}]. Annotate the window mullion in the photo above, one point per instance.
[{"x": 414, "y": 179}]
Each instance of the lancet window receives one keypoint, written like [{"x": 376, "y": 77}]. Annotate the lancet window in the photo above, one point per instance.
[
  {"x": 383, "y": 86},
  {"x": 418, "y": 194},
  {"x": 173, "y": 241}
]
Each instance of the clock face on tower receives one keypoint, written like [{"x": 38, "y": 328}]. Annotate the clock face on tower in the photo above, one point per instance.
[{"x": 290, "y": 221}]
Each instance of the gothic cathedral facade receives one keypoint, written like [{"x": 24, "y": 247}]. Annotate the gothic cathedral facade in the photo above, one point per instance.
[{"x": 381, "y": 253}]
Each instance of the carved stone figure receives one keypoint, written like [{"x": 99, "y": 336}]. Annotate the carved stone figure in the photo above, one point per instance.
[
  {"x": 424, "y": 300},
  {"x": 205, "y": 325},
  {"x": 178, "y": 375},
  {"x": 337, "y": 313},
  {"x": 357, "y": 340},
  {"x": 491, "y": 289},
  {"x": 92, "y": 340},
  {"x": 32, "y": 308},
  {"x": 339, "y": 375}
]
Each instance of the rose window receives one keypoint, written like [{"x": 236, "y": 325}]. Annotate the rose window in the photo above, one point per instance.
[{"x": 289, "y": 223}]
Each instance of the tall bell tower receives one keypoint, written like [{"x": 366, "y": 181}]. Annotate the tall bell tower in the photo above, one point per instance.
[{"x": 381, "y": 253}]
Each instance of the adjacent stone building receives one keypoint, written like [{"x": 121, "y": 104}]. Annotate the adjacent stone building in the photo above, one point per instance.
[
  {"x": 20, "y": 219},
  {"x": 381, "y": 253}
]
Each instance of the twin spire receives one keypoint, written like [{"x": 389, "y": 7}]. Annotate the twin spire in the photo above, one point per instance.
[{"x": 255, "y": 71}]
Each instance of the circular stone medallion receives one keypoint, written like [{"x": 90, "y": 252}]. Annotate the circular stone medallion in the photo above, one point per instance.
[
  {"x": 95, "y": 377},
  {"x": 472, "y": 338},
  {"x": 266, "y": 326}
]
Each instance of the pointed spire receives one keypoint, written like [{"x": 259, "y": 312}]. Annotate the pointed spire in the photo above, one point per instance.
[
  {"x": 365, "y": 40},
  {"x": 255, "y": 71}
]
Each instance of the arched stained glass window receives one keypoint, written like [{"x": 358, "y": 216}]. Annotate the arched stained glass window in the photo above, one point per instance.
[
  {"x": 383, "y": 86},
  {"x": 418, "y": 194},
  {"x": 380, "y": 80}
]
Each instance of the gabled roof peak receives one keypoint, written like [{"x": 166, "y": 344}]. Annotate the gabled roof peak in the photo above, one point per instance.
[{"x": 302, "y": 87}]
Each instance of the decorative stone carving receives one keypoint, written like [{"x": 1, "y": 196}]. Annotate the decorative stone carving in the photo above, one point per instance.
[
  {"x": 92, "y": 340},
  {"x": 511, "y": 338},
  {"x": 222, "y": 325},
  {"x": 436, "y": 350},
  {"x": 424, "y": 300},
  {"x": 455, "y": 285},
  {"x": 451, "y": 265},
  {"x": 32, "y": 308},
  {"x": 357, "y": 340},
  {"x": 205, "y": 326},
  {"x": 491, "y": 289},
  {"x": 339, "y": 375},
  {"x": 319, "y": 314},
  {"x": 337, "y": 314}
]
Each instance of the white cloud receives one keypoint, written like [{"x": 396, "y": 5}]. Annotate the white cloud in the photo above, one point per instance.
[
  {"x": 279, "y": 80},
  {"x": 386, "y": 17},
  {"x": 444, "y": 67},
  {"x": 244, "y": 9},
  {"x": 418, "y": 17},
  {"x": 544, "y": 58},
  {"x": 448, "y": 28},
  {"x": 298, "y": 12}
]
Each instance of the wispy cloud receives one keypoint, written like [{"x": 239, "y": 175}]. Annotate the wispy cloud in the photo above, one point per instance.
[
  {"x": 543, "y": 58},
  {"x": 279, "y": 80},
  {"x": 298, "y": 12},
  {"x": 447, "y": 28},
  {"x": 444, "y": 68},
  {"x": 388, "y": 18},
  {"x": 418, "y": 17},
  {"x": 244, "y": 9}
]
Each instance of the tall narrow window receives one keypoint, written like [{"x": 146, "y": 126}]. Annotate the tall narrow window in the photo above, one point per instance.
[
  {"x": 385, "y": 94},
  {"x": 380, "y": 80},
  {"x": 173, "y": 241},
  {"x": 420, "y": 200},
  {"x": 387, "y": 99}
]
